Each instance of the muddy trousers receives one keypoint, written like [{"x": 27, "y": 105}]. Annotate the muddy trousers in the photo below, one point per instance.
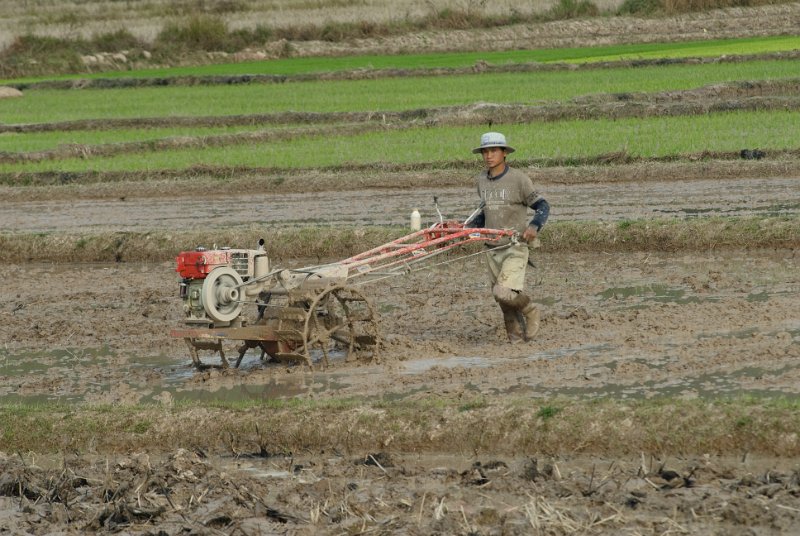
[
  {"x": 518, "y": 311},
  {"x": 507, "y": 272}
]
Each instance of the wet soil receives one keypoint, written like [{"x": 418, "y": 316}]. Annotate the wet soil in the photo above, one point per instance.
[
  {"x": 665, "y": 198},
  {"x": 635, "y": 325},
  {"x": 187, "y": 492},
  {"x": 622, "y": 325}
]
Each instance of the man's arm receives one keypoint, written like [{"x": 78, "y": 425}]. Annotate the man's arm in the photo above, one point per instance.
[{"x": 541, "y": 210}]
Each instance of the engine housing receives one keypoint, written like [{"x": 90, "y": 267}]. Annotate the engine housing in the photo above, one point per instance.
[{"x": 215, "y": 282}]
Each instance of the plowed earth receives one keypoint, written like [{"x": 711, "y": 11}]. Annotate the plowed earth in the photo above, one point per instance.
[{"x": 624, "y": 325}]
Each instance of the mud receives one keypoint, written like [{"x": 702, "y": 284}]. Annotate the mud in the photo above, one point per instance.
[
  {"x": 625, "y": 326},
  {"x": 188, "y": 492},
  {"x": 761, "y": 197}
]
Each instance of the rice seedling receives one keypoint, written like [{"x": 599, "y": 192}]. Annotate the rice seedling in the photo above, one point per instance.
[
  {"x": 403, "y": 93},
  {"x": 650, "y": 137}
]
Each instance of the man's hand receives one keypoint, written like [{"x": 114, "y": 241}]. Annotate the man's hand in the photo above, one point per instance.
[{"x": 530, "y": 233}]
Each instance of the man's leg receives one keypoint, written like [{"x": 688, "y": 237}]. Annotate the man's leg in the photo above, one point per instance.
[
  {"x": 509, "y": 280},
  {"x": 515, "y": 302},
  {"x": 512, "y": 322},
  {"x": 511, "y": 318}
]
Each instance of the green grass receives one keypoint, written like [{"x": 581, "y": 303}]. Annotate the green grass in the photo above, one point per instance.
[
  {"x": 691, "y": 49},
  {"x": 42, "y": 141},
  {"x": 294, "y": 66},
  {"x": 375, "y": 95},
  {"x": 650, "y": 137}
]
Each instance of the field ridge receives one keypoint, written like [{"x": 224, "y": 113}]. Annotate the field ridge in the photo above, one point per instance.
[
  {"x": 673, "y": 235},
  {"x": 782, "y": 161}
]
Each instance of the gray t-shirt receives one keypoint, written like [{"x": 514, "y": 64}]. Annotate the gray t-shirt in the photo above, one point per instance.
[{"x": 506, "y": 199}]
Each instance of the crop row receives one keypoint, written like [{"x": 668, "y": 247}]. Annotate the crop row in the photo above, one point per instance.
[
  {"x": 376, "y": 95},
  {"x": 650, "y": 137}
]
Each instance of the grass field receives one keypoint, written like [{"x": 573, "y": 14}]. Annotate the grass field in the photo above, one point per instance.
[
  {"x": 653, "y": 137},
  {"x": 40, "y": 141},
  {"x": 295, "y": 66},
  {"x": 120, "y": 149},
  {"x": 376, "y": 95}
]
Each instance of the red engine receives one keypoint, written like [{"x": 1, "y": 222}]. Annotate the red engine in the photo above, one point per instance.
[
  {"x": 199, "y": 263},
  {"x": 215, "y": 283}
]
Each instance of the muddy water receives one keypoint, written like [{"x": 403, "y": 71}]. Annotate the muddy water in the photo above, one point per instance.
[{"x": 680, "y": 199}]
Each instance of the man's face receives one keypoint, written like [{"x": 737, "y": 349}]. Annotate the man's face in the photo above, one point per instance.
[{"x": 493, "y": 156}]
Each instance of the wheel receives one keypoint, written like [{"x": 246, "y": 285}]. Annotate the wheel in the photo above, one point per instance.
[
  {"x": 342, "y": 319},
  {"x": 334, "y": 320},
  {"x": 220, "y": 294}
]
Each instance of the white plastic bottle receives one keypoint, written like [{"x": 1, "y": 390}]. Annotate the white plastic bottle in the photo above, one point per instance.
[{"x": 416, "y": 222}]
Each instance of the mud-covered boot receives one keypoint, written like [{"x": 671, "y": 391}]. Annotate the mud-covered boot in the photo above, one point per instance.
[
  {"x": 513, "y": 328},
  {"x": 531, "y": 315}
]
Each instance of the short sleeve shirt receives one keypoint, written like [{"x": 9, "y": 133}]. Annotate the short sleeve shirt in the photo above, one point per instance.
[{"x": 506, "y": 199}]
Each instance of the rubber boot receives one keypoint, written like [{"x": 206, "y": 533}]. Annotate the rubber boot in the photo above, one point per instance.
[
  {"x": 513, "y": 328},
  {"x": 530, "y": 313}
]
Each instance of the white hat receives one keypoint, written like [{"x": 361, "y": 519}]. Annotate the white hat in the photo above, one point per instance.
[{"x": 493, "y": 139}]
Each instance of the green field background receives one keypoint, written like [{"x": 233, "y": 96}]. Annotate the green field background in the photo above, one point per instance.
[{"x": 651, "y": 137}]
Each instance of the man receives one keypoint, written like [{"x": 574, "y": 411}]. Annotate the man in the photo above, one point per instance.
[{"x": 506, "y": 194}]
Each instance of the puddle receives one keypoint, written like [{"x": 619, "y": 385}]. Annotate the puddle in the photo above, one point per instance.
[
  {"x": 99, "y": 375},
  {"x": 77, "y": 375},
  {"x": 758, "y": 297},
  {"x": 252, "y": 467},
  {"x": 764, "y": 210},
  {"x": 591, "y": 350},
  {"x": 738, "y": 334},
  {"x": 12, "y": 365},
  {"x": 665, "y": 294},
  {"x": 385, "y": 308}
]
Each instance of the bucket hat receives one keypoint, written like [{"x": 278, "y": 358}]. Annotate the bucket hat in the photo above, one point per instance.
[{"x": 493, "y": 139}]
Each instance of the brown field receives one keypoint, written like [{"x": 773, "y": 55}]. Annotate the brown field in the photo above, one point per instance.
[
  {"x": 660, "y": 396},
  {"x": 458, "y": 453}
]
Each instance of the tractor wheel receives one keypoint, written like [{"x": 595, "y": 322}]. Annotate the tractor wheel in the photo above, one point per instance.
[{"x": 331, "y": 320}]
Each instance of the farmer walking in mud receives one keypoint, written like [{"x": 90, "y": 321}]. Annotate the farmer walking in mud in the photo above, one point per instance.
[{"x": 506, "y": 194}]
